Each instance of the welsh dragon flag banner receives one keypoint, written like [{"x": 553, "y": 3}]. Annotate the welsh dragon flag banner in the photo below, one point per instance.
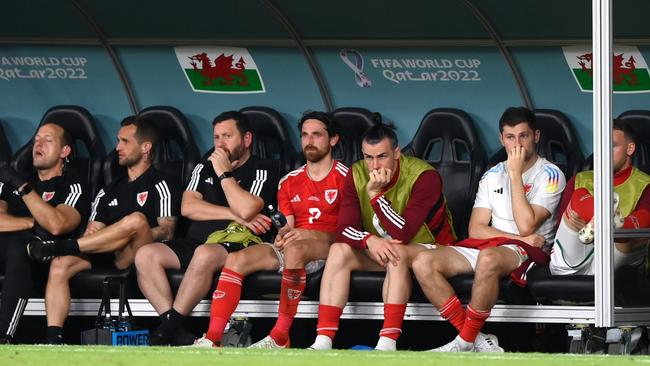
[
  {"x": 629, "y": 69},
  {"x": 227, "y": 70}
]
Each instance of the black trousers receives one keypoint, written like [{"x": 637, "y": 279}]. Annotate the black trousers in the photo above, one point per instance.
[{"x": 23, "y": 279}]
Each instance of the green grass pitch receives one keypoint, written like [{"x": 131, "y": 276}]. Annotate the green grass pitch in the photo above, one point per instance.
[{"x": 163, "y": 356}]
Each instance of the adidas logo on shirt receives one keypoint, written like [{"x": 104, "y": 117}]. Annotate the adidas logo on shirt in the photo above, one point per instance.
[
  {"x": 499, "y": 191},
  {"x": 113, "y": 202},
  {"x": 295, "y": 198},
  {"x": 209, "y": 181}
]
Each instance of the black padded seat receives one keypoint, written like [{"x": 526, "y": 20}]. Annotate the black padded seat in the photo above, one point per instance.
[
  {"x": 558, "y": 142},
  {"x": 367, "y": 286},
  {"x": 271, "y": 139},
  {"x": 631, "y": 287},
  {"x": 5, "y": 149},
  {"x": 547, "y": 288},
  {"x": 447, "y": 139},
  {"x": 640, "y": 122},
  {"x": 353, "y": 123},
  {"x": 87, "y": 152},
  {"x": 262, "y": 285},
  {"x": 176, "y": 153},
  {"x": 88, "y": 284}
]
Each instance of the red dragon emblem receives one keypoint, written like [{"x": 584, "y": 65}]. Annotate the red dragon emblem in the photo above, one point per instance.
[
  {"x": 620, "y": 73},
  {"x": 222, "y": 69}
]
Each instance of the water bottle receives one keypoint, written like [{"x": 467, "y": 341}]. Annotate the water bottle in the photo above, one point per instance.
[
  {"x": 277, "y": 217},
  {"x": 108, "y": 323}
]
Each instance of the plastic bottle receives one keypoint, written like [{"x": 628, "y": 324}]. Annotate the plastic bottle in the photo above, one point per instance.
[{"x": 277, "y": 217}]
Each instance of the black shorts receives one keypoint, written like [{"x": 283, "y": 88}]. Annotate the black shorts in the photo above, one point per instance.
[{"x": 184, "y": 248}]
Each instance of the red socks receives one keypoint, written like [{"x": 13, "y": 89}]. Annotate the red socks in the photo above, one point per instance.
[
  {"x": 293, "y": 284},
  {"x": 473, "y": 324},
  {"x": 328, "y": 320},
  {"x": 393, "y": 318},
  {"x": 224, "y": 302},
  {"x": 453, "y": 311}
]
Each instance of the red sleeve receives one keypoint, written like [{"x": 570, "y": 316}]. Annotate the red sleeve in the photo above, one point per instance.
[
  {"x": 640, "y": 217},
  {"x": 284, "y": 203},
  {"x": 566, "y": 198},
  {"x": 349, "y": 228},
  {"x": 425, "y": 193}
]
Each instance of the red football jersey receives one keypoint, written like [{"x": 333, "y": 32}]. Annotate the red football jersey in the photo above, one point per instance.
[{"x": 314, "y": 205}]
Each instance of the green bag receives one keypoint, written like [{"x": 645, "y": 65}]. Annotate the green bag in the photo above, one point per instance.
[{"x": 234, "y": 233}]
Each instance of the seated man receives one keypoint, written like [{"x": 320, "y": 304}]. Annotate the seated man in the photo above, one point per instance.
[
  {"x": 50, "y": 204},
  {"x": 573, "y": 254},
  {"x": 128, "y": 213},
  {"x": 309, "y": 199},
  {"x": 231, "y": 185},
  {"x": 392, "y": 208},
  {"x": 511, "y": 223}
]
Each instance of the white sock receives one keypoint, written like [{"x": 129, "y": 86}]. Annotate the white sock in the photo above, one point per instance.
[
  {"x": 568, "y": 251},
  {"x": 322, "y": 343},
  {"x": 386, "y": 344}
]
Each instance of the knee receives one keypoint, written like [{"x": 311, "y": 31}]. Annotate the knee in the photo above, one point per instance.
[
  {"x": 236, "y": 261},
  {"x": 147, "y": 257},
  {"x": 294, "y": 254},
  {"x": 339, "y": 254},
  {"x": 207, "y": 257},
  {"x": 424, "y": 264},
  {"x": 135, "y": 221},
  {"x": 488, "y": 261},
  {"x": 60, "y": 270}
]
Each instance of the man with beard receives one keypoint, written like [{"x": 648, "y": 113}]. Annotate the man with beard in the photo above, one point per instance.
[
  {"x": 573, "y": 251},
  {"x": 50, "y": 204},
  {"x": 231, "y": 186},
  {"x": 131, "y": 211},
  {"x": 309, "y": 198}
]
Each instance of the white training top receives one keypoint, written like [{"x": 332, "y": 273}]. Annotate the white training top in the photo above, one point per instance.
[{"x": 543, "y": 184}]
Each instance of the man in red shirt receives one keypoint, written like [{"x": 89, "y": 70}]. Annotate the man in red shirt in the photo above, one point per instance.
[
  {"x": 309, "y": 198},
  {"x": 392, "y": 208}
]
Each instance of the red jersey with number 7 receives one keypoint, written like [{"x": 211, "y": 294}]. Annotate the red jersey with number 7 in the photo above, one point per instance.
[{"x": 313, "y": 204}]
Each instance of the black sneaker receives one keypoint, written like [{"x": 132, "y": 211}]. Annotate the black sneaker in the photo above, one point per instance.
[
  {"x": 41, "y": 251},
  {"x": 160, "y": 339},
  {"x": 182, "y": 337}
]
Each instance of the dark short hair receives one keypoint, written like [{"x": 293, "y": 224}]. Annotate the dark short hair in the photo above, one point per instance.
[
  {"x": 516, "y": 115},
  {"x": 66, "y": 137},
  {"x": 241, "y": 121},
  {"x": 378, "y": 132},
  {"x": 328, "y": 119},
  {"x": 626, "y": 128},
  {"x": 145, "y": 128}
]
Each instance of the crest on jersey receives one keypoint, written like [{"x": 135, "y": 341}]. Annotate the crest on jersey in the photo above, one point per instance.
[
  {"x": 142, "y": 198},
  {"x": 528, "y": 187},
  {"x": 293, "y": 294},
  {"x": 47, "y": 196},
  {"x": 330, "y": 195}
]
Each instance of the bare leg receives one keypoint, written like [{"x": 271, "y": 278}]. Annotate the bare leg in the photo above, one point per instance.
[
  {"x": 341, "y": 261},
  {"x": 151, "y": 261},
  {"x": 254, "y": 258},
  {"x": 57, "y": 290},
  {"x": 298, "y": 253},
  {"x": 492, "y": 265},
  {"x": 118, "y": 235},
  {"x": 433, "y": 267},
  {"x": 398, "y": 283},
  {"x": 207, "y": 259}
]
